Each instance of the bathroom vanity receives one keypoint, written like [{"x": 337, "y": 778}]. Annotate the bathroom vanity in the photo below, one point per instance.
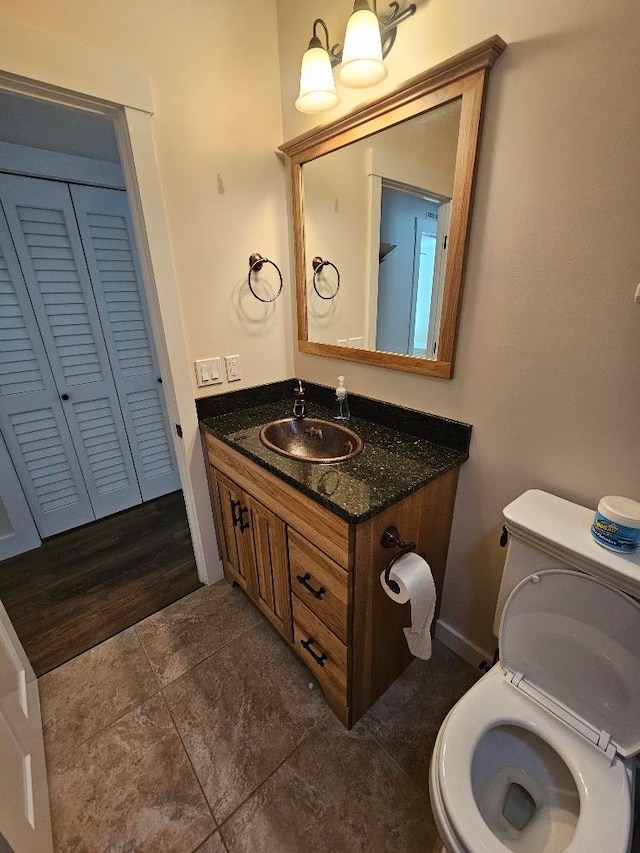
[{"x": 303, "y": 540}]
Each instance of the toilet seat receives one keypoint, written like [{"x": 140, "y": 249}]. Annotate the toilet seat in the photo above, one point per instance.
[
  {"x": 605, "y": 818},
  {"x": 572, "y": 643}
]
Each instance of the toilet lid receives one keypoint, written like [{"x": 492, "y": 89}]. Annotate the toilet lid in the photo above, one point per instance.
[{"x": 573, "y": 643}]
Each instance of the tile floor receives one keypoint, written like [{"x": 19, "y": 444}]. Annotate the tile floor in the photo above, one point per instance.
[{"x": 198, "y": 729}]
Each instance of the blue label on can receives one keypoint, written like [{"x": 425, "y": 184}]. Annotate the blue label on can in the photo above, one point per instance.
[{"x": 615, "y": 536}]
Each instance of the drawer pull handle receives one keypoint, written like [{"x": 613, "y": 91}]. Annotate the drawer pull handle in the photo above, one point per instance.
[
  {"x": 237, "y": 514},
  {"x": 304, "y": 580},
  {"x": 306, "y": 645},
  {"x": 237, "y": 518},
  {"x": 244, "y": 525}
]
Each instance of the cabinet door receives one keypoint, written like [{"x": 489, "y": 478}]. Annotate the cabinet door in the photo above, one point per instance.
[
  {"x": 233, "y": 544},
  {"x": 271, "y": 570},
  {"x": 253, "y": 542}
]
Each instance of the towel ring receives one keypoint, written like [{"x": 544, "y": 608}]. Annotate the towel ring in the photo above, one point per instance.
[
  {"x": 318, "y": 265},
  {"x": 256, "y": 262}
]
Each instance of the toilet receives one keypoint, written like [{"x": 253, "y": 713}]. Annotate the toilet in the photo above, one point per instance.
[{"x": 539, "y": 755}]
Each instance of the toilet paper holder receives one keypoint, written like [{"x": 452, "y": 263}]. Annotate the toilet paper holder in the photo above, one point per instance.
[{"x": 391, "y": 539}]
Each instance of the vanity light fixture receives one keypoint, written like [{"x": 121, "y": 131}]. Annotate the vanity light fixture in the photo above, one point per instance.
[
  {"x": 368, "y": 39},
  {"x": 317, "y": 85}
]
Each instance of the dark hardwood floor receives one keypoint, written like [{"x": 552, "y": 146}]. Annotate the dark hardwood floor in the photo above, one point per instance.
[{"x": 83, "y": 586}]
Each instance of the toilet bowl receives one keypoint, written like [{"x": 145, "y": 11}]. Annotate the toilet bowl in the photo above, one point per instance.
[
  {"x": 508, "y": 776},
  {"x": 538, "y": 756}
]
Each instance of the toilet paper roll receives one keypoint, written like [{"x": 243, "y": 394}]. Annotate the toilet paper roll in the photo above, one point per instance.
[{"x": 413, "y": 576}]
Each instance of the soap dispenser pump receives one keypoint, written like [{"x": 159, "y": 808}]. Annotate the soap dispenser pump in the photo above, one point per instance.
[{"x": 341, "y": 403}]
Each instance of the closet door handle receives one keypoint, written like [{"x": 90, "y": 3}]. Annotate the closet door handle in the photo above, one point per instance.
[
  {"x": 304, "y": 580},
  {"x": 64, "y": 396}
]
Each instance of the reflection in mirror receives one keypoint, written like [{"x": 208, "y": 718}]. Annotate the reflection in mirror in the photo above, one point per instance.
[{"x": 380, "y": 209}]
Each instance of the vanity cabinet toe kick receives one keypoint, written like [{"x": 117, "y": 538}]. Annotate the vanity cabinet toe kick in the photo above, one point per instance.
[{"x": 315, "y": 576}]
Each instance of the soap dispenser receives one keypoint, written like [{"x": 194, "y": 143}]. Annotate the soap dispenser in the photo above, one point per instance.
[{"x": 341, "y": 404}]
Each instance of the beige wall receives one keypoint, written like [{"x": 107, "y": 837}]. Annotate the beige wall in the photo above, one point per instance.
[
  {"x": 421, "y": 152},
  {"x": 337, "y": 214},
  {"x": 548, "y": 361},
  {"x": 217, "y": 113}
]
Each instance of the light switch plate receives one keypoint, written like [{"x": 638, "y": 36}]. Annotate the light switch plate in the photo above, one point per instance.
[{"x": 208, "y": 372}]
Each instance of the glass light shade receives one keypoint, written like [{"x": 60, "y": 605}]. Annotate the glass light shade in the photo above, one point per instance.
[
  {"x": 362, "y": 63},
  {"x": 317, "y": 86}
]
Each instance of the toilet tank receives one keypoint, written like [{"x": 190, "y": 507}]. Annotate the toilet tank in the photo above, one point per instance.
[{"x": 547, "y": 532}]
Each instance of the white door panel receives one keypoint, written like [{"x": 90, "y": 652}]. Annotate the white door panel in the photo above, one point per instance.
[{"x": 24, "y": 800}]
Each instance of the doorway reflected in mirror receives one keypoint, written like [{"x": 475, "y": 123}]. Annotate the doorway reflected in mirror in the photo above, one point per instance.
[{"x": 411, "y": 278}]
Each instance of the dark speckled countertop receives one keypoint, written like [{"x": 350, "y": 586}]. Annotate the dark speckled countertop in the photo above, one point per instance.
[{"x": 393, "y": 464}]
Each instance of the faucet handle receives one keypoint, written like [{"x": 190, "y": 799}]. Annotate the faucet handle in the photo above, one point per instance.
[{"x": 298, "y": 400}]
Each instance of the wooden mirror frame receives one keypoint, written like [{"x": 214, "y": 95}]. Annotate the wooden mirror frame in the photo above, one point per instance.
[{"x": 463, "y": 76}]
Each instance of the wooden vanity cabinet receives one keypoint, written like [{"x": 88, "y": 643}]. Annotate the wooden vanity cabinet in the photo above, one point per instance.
[{"x": 317, "y": 577}]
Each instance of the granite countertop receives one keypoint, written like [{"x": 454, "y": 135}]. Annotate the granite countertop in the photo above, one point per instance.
[{"x": 393, "y": 464}]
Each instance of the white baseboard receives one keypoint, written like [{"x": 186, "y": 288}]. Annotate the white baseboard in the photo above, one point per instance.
[{"x": 463, "y": 647}]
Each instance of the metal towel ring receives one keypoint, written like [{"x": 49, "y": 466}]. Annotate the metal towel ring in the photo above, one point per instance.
[
  {"x": 318, "y": 265},
  {"x": 256, "y": 262}
]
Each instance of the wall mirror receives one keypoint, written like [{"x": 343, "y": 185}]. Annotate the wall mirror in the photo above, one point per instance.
[{"x": 381, "y": 212}]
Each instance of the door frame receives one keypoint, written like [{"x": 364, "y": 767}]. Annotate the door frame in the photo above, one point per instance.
[{"x": 39, "y": 65}]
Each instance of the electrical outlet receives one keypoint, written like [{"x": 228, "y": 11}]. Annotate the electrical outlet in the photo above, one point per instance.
[
  {"x": 232, "y": 363},
  {"x": 208, "y": 372},
  {"x": 342, "y": 342}
]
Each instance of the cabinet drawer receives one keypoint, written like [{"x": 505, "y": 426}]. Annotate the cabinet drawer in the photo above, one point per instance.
[
  {"x": 329, "y": 659},
  {"x": 320, "y": 583}
]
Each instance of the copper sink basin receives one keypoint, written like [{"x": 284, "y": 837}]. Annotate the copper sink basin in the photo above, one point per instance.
[{"x": 311, "y": 440}]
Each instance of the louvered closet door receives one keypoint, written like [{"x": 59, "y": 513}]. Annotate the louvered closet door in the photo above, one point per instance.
[
  {"x": 45, "y": 234},
  {"x": 107, "y": 236},
  {"x": 33, "y": 424}
]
